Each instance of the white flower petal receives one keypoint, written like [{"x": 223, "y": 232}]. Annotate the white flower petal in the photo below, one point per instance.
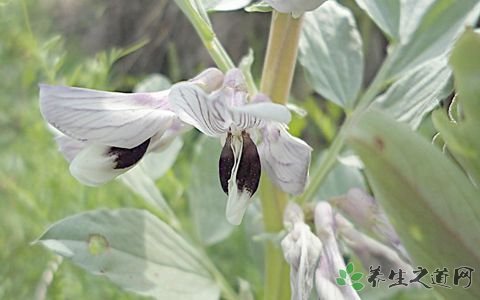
[
  {"x": 296, "y": 7},
  {"x": 210, "y": 79},
  {"x": 195, "y": 107},
  {"x": 114, "y": 119},
  {"x": 301, "y": 249},
  {"x": 263, "y": 110},
  {"x": 293, "y": 214},
  {"x": 97, "y": 164},
  {"x": 285, "y": 158},
  {"x": 69, "y": 147},
  {"x": 237, "y": 205}
]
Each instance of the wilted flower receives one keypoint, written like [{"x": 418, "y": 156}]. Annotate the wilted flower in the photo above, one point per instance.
[
  {"x": 104, "y": 134},
  {"x": 301, "y": 249},
  {"x": 331, "y": 260},
  {"x": 296, "y": 7},
  {"x": 244, "y": 123}
]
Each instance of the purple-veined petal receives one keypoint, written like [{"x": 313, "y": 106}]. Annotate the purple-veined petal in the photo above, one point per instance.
[
  {"x": 98, "y": 164},
  {"x": 207, "y": 113},
  {"x": 285, "y": 158},
  {"x": 266, "y": 111},
  {"x": 107, "y": 118}
]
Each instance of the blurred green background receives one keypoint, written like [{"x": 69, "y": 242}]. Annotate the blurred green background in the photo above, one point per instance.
[{"x": 110, "y": 45}]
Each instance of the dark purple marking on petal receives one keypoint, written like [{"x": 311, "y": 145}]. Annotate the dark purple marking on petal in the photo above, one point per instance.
[
  {"x": 249, "y": 171},
  {"x": 225, "y": 164},
  {"x": 126, "y": 158}
]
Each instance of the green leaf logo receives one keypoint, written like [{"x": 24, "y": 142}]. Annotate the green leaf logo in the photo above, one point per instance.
[
  {"x": 350, "y": 268},
  {"x": 358, "y": 286},
  {"x": 341, "y": 281},
  {"x": 347, "y": 278}
]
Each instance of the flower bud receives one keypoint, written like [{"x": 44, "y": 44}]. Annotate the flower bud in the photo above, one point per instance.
[{"x": 301, "y": 249}]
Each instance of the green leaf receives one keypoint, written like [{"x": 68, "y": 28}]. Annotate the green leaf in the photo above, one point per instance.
[
  {"x": 463, "y": 136},
  {"x": 135, "y": 250},
  {"x": 417, "y": 93},
  {"x": 350, "y": 268},
  {"x": 431, "y": 203},
  {"x": 343, "y": 274},
  {"x": 428, "y": 31},
  {"x": 356, "y": 276},
  {"x": 385, "y": 13},
  {"x": 341, "y": 281},
  {"x": 206, "y": 198},
  {"x": 331, "y": 53},
  {"x": 358, "y": 286}
]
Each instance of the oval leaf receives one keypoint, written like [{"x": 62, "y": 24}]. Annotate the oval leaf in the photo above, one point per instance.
[
  {"x": 350, "y": 268},
  {"x": 356, "y": 276},
  {"x": 341, "y": 281},
  {"x": 331, "y": 53},
  {"x": 358, "y": 286},
  {"x": 135, "y": 250}
]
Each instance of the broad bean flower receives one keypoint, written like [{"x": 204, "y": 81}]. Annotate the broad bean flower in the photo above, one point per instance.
[
  {"x": 104, "y": 134},
  {"x": 255, "y": 137},
  {"x": 296, "y": 7}
]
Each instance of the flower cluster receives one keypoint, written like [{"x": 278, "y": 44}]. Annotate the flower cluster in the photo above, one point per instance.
[
  {"x": 104, "y": 134},
  {"x": 317, "y": 258}
]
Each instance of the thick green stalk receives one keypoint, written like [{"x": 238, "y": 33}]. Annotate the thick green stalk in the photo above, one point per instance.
[{"x": 277, "y": 79}]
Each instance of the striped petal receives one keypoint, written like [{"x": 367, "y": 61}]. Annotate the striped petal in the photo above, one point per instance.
[
  {"x": 207, "y": 113},
  {"x": 285, "y": 158},
  {"x": 106, "y": 118}
]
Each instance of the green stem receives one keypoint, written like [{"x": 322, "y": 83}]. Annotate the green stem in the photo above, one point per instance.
[
  {"x": 277, "y": 79},
  {"x": 206, "y": 34},
  {"x": 327, "y": 163},
  {"x": 330, "y": 158}
]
